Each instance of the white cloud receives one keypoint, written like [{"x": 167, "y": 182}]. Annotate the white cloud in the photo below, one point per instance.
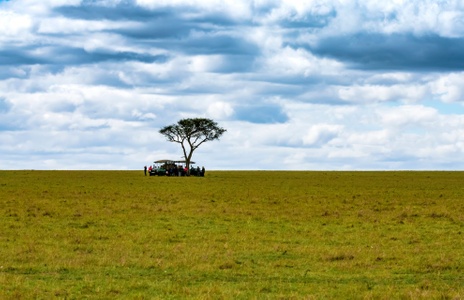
[
  {"x": 82, "y": 91},
  {"x": 321, "y": 134},
  {"x": 143, "y": 116},
  {"x": 381, "y": 93},
  {"x": 448, "y": 88},
  {"x": 66, "y": 26},
  {"x": 219, "y": 110},
  {"x": 290, "y": 62},
  {"x": 14, "y": 24},
  {"x": 235, "y": 8},
  {"x": 408, "y": 115}
]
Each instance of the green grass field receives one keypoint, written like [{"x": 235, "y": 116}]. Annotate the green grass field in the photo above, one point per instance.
[{"x": 231, "y": 235}]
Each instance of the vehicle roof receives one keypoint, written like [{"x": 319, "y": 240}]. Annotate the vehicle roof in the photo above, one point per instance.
[{"x": 162, "y": 161}]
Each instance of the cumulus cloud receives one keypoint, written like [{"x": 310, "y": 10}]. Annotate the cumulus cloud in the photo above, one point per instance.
[
  {"x": 298, "y": 84},
  {"x": 448, "y": 88},
  {"x": 320, "y": 134}
]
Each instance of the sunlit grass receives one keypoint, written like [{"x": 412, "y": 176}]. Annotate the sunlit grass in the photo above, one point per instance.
[{"x": 100, "y": 234}]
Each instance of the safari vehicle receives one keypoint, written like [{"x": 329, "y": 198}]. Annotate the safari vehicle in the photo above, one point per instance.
[{"x": 163, "y": 167}]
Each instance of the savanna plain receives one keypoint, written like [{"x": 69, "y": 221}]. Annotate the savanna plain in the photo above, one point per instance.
[{"x": 231, "y": 235}]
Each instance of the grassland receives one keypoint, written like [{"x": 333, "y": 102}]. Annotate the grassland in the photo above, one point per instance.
[{"x": 231, "y": 235}]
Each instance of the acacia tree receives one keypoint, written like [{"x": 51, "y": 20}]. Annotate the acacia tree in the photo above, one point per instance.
[{"x": 191, "y": 133}]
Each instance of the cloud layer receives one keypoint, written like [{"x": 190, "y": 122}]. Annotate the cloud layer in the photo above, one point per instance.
[{"x": 299, "y": 85}]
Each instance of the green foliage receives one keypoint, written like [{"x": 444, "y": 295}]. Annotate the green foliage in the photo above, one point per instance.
[
  {"x": 197, "y": 130},
  {"x": 119, "y": 234}
]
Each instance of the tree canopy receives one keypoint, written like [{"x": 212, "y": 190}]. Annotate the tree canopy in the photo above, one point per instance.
[{"x": 191, "y": 133}]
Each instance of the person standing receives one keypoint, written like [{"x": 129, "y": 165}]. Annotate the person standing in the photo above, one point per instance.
[
  {"x": 145, "y": 169},
  {"x": 203, "y": 172}
]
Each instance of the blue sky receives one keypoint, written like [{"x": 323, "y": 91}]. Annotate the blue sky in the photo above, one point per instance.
[{"x": 299, "y": 85}]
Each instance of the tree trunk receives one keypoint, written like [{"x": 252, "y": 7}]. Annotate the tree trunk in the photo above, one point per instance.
[{"x": 187, "y": 160}]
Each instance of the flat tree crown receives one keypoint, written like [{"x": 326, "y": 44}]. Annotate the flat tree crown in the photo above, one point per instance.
[{"x": 195, "y": 131}]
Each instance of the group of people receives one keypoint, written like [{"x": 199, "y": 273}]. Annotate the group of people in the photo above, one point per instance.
[
  {"x": 197, "y": 171},
  {"x": 174, "y": 170}
]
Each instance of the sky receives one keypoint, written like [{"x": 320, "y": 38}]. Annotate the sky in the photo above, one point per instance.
[{"x": 299, "y": 85}]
